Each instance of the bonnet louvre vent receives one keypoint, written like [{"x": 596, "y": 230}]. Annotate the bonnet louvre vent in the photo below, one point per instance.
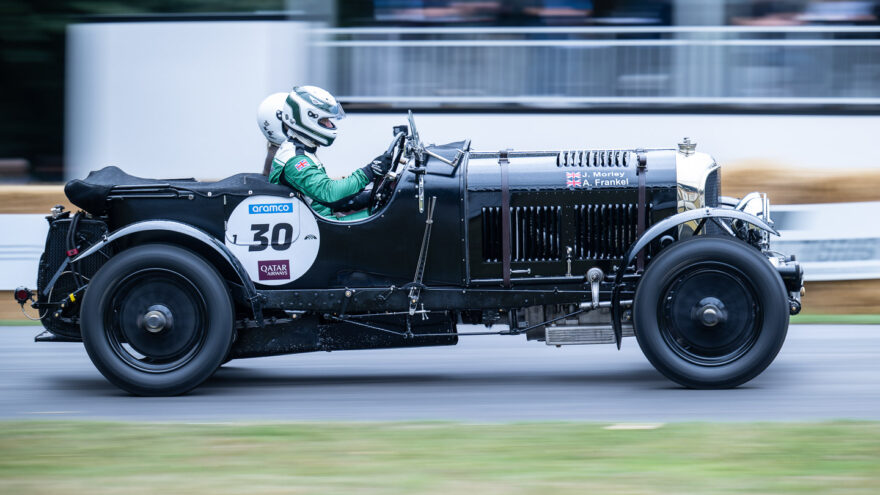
[
  {"x": 713, "y": 188},
  {"x": 534, "y": 232},
  {"x": 605, "y": 232},
  {"x": 594, "y": 158}
]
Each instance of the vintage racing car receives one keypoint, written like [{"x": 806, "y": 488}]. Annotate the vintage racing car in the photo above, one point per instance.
[{"x": 165, "y": 280}]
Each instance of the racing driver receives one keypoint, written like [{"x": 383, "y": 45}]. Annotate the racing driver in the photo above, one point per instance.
[{"x": 298, "y": 124}]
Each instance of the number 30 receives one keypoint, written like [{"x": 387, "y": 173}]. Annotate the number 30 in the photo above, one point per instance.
[{"x": 279, "y": 231}]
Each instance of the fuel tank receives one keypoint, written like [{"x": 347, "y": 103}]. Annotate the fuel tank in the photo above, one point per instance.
[{"x": 570, "y": 210}]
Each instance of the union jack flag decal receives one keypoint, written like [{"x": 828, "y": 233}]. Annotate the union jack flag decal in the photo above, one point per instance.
[
  {"x": 573, "y": 183},
  {"x": 572, "y": 175},
  {"x": 302, "y": 164}
]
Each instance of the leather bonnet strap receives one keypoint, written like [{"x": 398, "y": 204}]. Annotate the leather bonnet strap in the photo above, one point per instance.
[{"x": 504, "y": 162}]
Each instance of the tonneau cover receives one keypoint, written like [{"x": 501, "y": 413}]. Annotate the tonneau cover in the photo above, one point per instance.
[{"x": 91, "y": 193}]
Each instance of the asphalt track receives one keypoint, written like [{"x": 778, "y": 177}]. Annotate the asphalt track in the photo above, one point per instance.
[{"x": 823, "y": 372}]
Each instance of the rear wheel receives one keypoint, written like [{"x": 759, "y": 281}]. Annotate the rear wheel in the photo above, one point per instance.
[
  {"x": 157, "y": 320},
  {"x": 710, "y": 312}
]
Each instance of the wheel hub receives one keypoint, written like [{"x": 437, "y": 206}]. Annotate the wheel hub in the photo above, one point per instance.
[
  {"x": 710, "y": 312},
  {"x": 709, "y": 315},
  {"x": 157, "y": 319}
]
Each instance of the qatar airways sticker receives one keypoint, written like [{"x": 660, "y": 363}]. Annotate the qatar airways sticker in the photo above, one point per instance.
[{"x": 274, "y": 269}]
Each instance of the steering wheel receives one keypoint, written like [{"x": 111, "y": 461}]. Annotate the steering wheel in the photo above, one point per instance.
[{"x": 383, "y": 185}]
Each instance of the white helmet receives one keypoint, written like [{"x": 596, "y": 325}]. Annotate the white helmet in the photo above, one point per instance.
[
  {"x": 269, "y": 118},
  {"x": 309, "y": 112}
]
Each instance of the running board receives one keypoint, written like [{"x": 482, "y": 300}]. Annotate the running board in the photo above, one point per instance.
[
  {"x": 47, "y": 336},
  {"x": 583, "y": 334}
]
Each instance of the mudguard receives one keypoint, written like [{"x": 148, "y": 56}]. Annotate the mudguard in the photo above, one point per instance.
[
  {"x": 656, "y": 231},
  {"x": 194, "y": 233}
]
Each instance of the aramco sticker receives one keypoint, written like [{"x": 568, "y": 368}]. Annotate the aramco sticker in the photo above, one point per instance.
[{"x": 270, "y": 208}]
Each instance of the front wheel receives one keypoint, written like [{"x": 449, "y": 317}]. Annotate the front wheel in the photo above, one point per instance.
[
  {"x": 710, "y": 312},
  {"x": 157, "y": 320}
]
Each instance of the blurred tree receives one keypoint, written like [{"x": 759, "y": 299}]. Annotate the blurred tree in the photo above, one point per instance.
[{"x": 32, "y": 35}]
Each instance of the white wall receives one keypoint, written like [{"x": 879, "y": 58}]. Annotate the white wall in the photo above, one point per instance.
[
  {"x": 20, "y": 253},
  {"x": 173, "y": 99}
]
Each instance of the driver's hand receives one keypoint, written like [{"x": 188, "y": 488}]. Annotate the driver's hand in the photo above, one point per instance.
[
  {"x": 378, "y": 167},
  {"x": 360, "y": 201}
]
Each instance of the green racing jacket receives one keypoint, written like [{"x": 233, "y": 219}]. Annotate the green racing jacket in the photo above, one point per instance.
[{"x": 298, "y": 168}]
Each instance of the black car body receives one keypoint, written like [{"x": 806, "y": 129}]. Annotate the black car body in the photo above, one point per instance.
[{"x": 164, "y": 280}]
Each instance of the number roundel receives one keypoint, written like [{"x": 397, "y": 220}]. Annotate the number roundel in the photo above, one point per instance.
[{"x": 276, "y": 239}]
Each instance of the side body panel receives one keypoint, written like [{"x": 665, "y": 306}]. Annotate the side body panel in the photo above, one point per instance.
[
  {"x": 568, "y": 214},
  {"x": 566, "y": 217},
  {"x": 383, "y": 249},
  {"x": 376, "y": 252}
]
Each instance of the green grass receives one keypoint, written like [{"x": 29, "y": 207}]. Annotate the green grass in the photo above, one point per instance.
[
  {"x": 836, "y": 319},
  {"x": 439, "y": 458},
  {"x": 19, "y": 323}
]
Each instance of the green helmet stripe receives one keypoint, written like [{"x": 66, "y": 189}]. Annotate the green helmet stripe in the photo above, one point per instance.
[
  {"x": 312, "y": 133},
  {"x": 323, "y": 105}
]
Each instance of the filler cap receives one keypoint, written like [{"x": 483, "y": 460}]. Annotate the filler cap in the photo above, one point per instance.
[{"x": 687, "y": 147}]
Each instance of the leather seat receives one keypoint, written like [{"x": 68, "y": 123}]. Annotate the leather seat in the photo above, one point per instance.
[{"x": 91, "y": 194}]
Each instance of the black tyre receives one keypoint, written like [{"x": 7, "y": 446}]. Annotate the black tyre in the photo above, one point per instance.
[
  {"x": 157, "y": 320},
  {"x": 710, "y": 312}
]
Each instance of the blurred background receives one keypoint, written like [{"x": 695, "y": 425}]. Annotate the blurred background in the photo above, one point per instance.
[
  {"x": 785, "y": 94},
  {"x": 168, "y": 86}
]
